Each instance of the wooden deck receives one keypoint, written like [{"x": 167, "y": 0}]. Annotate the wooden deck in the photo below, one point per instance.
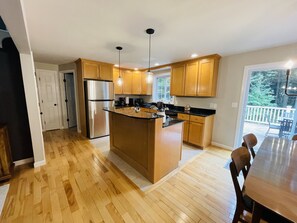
[{"x": 78, "y": 185}]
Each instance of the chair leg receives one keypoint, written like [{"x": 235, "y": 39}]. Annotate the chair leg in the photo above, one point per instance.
[{"x": 237, "y": 214}]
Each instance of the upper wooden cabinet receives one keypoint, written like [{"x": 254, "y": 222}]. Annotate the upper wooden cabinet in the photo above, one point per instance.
[
  {"x": 134, "y": 83},
  {"x": 95, "y": 70},
  {"x": 191, "y": 78},
  {"x": 195, "y": 77},
  {"x": 127, "y": 81},
  {"x": 146, "y": 88},
  {"x": 118, "y": 89},
  {"x": 177, "y": 79}
]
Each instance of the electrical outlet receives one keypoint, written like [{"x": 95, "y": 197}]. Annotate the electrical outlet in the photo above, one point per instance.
[{"x": 234, "y": 104}]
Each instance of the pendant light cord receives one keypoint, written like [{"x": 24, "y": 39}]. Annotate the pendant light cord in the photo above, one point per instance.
[
  {"x": 149, "y": 69},
  {"x": 119, "y": 63}
]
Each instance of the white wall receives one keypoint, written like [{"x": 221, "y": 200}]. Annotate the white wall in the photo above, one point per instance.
[
  {"x": 230, "y": 79},
  {"x": 14, "y": 18},
  {"x": 46, "y": 66}
]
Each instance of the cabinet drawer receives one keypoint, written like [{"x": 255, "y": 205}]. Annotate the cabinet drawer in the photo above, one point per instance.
[
  {"x": 183, "y": 116},
  {"x": 194, "y": 118}
]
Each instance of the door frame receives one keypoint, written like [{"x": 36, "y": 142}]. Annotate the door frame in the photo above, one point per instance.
[
  {"x": 63, "y": 103},
  {"x": 58, "y": 97},
  {"x": 244, "y": 95}
]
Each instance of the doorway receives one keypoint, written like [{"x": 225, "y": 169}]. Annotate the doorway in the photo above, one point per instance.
[
  {"x": 70, "y": 103},
  {"x": 266, "y": 110}
]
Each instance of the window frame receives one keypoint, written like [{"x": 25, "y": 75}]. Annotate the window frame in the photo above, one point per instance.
[{"x": 155, "y": 93}]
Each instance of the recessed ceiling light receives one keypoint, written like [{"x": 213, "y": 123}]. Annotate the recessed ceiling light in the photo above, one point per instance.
[
  {"x": 116, "y": 65},
  {"x": 135, "y": 68},
  {"x": 157, "y": 64},
  {"x": 194, "y": 55}
]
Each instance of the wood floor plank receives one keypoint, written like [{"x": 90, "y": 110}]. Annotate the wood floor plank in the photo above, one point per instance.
[{"x": 78, "y": 184}]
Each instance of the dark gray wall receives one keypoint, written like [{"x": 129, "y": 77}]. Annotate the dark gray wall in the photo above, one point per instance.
[{"x": 13, "y": 109}]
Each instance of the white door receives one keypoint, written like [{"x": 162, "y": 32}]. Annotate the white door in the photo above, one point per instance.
[
  {"x": 70, "y": 99},
  {"x": 48, "y": 99}
]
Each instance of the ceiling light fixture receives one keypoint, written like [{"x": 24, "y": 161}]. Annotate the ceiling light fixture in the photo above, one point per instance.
[
  {"x": 194, "y": 55},
  {"x": 120, "y": 79},
  {"x": 116, "y": 65},
  {"x": 289, "y": 66},
  {"x": 157, "y": 64},
  {"x": 150, "y": 31},
  {"x": 135, "y": 68}
]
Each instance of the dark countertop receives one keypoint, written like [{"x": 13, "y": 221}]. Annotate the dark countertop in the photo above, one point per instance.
[{"x": 130, "y": 111}]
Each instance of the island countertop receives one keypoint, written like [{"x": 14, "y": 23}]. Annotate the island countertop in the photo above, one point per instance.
[{"x": 130, "y": 112}]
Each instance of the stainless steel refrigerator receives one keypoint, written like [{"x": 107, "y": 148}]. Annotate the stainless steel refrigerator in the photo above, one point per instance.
[{"x": 99, "y": 94}]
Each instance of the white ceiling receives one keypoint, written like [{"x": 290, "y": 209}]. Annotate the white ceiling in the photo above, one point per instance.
[{"x": 62, "y": 31}]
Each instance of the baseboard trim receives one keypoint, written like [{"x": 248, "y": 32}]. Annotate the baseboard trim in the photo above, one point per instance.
[
  {"x": 39, "y": 163},
  {"x": 222, "y": 145},
  {"x": 24, "y": 161}
]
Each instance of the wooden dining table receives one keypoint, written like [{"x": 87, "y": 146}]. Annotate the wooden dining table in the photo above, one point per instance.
[{"x": 272, "y": 178}]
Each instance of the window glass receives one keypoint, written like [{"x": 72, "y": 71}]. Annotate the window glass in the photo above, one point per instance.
[{"x": 162, "y": 88}]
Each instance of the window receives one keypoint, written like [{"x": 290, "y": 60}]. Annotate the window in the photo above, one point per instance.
[{"x": 162, "y": 88}]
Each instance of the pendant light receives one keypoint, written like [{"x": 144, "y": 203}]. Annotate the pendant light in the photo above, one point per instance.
[
  {"x": 149, "y": 79},
  {"x": 120, "y": 79}
]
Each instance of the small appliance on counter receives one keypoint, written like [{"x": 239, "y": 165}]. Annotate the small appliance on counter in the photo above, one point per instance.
[{"x": 138, "y": 102}]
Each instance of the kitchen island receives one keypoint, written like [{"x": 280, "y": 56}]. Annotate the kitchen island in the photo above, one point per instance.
[{"x": 144, "y": 142}]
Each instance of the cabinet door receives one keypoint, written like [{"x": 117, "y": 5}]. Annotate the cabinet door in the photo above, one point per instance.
[
  {"x": 146, "y": 88},
  {"x": 206, "y": 78},
  {"x": 177, "y": 80},
  {"x": 127, "y": 82},
  {"x": 196, "y": 133},
  {"x": 118, "y": 89},
  {"x": 105, "y": 72},
  {"x": 186, "y": 131},
  {"x": 136, "y": 82},
  {"x": 191, "y": 78},
  {"x": 90, "y": 70}
]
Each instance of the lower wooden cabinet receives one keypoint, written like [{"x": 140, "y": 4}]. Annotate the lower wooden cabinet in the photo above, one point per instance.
[
  {"x": 197, "y": 129},
  {"x": 6, "y": 164}
]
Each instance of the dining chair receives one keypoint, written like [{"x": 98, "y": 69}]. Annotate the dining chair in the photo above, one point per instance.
[
  {"x": 286, "y": 127},
  {"x": 294, "y": 137},
  {"x": 250, "y": 141},
  {"x": 240, "y": 164}
]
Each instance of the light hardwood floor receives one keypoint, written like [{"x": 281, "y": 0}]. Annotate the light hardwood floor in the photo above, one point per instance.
[{"x": 78, "y": 185}]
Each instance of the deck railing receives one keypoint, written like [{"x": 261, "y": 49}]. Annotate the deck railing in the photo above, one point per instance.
[{"x": 264, "y": 115}]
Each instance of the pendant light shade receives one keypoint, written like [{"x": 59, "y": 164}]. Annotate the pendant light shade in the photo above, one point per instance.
[
  {"x": 120, "y": 79},
  {"x": 149, "y": 79}
]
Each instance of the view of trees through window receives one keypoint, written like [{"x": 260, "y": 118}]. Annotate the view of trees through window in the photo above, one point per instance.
[
  {"x": 267, "y": 88},
  {"x": 163, "y": 88}
]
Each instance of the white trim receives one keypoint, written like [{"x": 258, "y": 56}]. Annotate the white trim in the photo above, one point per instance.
[
  {"x": 24, "y": 161},
  {"x": 221, "y": 145},
  {"x": 39, "y": 163},
  {"x": 244, "y": 94}
]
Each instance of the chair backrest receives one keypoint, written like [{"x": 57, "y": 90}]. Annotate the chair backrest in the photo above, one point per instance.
[
  {"x": 294, "y": 137},
  {"x": 250, "y": 140},
  {"x": 286, "y": 125},
  {"x": 240, "y": 163}
]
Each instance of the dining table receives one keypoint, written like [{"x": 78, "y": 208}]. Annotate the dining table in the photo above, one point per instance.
[{"x": 272, "y": 178}]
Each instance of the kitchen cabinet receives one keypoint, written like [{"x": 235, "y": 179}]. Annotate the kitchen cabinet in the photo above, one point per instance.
[
  {"x": 195, "y": 78},
  {"x": 136, "y": 82},
  {"x": 118, "y": 89},
  {"x": 197, "y": 129},
  {"x": 186, "y": 119},
  {"x": 146, "y": 88},
  {"x": 207, "y": 77},
  {"x": 191, "y": 78},
  {"x": 127, "y": 81},
  {"x": 96, "y": 70},
  {"x": 177, "y": 80}
]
